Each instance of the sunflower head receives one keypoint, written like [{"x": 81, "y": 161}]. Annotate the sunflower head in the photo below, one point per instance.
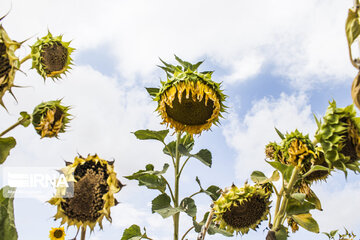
[
  {"x": 319, "y": 175},
  {"x": 51, "y": 56},
  {"x": 239, "y": 209},
  {"x": 292, "y": 224},
  {"x": 189, "y": 101},
  {"x": 273, "y": 152},
  {"x": 339, "y": 137},
  {"x": 50, "y": 118},
  {"x": 9, "y": 63},
  {"x": 57, "y": 233},
  {"x": 298, "y": 149},
  {"x": 95, "y": 184}
]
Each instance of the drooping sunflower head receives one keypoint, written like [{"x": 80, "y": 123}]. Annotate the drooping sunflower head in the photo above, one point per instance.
[
  {"x": 95, "y": 184},
  {"x": 50, "y": 118},
  {"x": 239, "y": 209},
  {"x": 9, "y": 63},
  {"x": 273, "y": 152},
  {"x": 339, "y": 137},
  {"x": 57, "y": 233},
  {"x": 318, "y": 175},
  {"x": 298, "y": 149},
  {"x": 51, "y": 57},
  {"x": 189, "y": 101}
]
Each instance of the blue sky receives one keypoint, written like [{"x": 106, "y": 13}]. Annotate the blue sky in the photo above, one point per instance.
[{"x": 280, "y": 61}]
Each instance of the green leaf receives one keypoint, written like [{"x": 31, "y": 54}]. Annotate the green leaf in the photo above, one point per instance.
[
  {"x": 213, "y": 191},
  {"x": 315, "y": 168},
  {"x": 6, "y": 144},
  {"x": 25, "y": 119},
  {"x": 153, "y": 91},
  {"x": 352, "y": 26},
  {"x": 186, "y": 141},
  {"x": 150, "y": 178},
  {"x": 150, "y": 134},
  {"x": 7, "y": 221},
  {"x": 282, "y": 233},
  {"x": 161, "y": 205},
  {"x": 288, "y": 173},
  {"x": 295, "y": 207},
  {"x": 133, "y": 233},
  {"x": 188, "y": 206},
  {"x": 299, "y": 197},
  {"x": 314, "y": 200},
  {"x": 307, "y": 221},
  {"x": 204, "y": 156},
  {"x": 279, "y": 166},
  {"x": 258, "y": 177}
]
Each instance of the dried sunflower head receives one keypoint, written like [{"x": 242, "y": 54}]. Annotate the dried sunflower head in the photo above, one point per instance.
[
  {"x": 239, "y": 209},
  {"x": 50, "y": 118},
  {"x": 273, "y": 151},
  {"x": 189, "y": 101},
  {"x": 9, "y": 63},
  {"x": 94, "y": 188},
  {"x": 292, "y": 224},
  {"x": 57, "y": 233},
  {"x": 339, "y": 137},
  {"x": 51, "y": 56},
  {"x": 298, "y": 149}
]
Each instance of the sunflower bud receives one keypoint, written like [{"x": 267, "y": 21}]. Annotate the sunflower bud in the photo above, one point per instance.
[
  {"x": 94, "y": 188},
  {"x": 51, "y": 56},
  {"x": 50, "y": 118},
  {"x": 9, "y": 63},
  {"x": 189, "y": 101},
  {"x": 339, "y": 137},
  {"x": 239, "y": 209}
]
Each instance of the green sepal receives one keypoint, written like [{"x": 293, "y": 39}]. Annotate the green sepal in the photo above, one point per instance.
[
  {"x": 7, "y": 220},
  {"x": 134, "y": 233},
  {"x": 6, "y": 144},
  {"x": 150, "y": 134},
  {"x": 153, "y": 91}
]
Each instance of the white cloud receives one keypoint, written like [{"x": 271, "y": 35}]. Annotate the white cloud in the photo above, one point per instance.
[
  {"x": 248, "y": 136},
  {"x": 304, "y": 40}
]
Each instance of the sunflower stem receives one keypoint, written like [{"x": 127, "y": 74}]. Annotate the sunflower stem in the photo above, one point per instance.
[
  {"x": 176, "y": 216},
  {"x": 206, "y": 226},
  {"x": 83, "y": 233},
  {"x": 183, "y": 237},
  {"x": 281, "y": 214},
  {"x": 169, "y": 187},
  {"x": 20, "y": 121},
  {"x": 25, "y": 59},
  {"x": 182, "y": 167}
]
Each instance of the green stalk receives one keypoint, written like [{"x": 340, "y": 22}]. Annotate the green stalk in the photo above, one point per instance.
[
  {"x": 20, "y": 121},
  {"x": 25, "y": 59},
  {"x": 177, "y": 178},
  {"x": 280, "y": 216}
]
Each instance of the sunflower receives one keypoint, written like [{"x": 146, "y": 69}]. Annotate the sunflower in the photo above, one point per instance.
[
  {"x": 9, "y": 63},
  {"x": 189, "y": 101},
  {"x": 95, "y": 184},
  {"x": 50, "y": 118},
  {"x": 51, "y": 56},
  {"x": 339, "y": 137},
  {"x": 57, "y": 234},
  {"x": 239, "y": 209}
]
